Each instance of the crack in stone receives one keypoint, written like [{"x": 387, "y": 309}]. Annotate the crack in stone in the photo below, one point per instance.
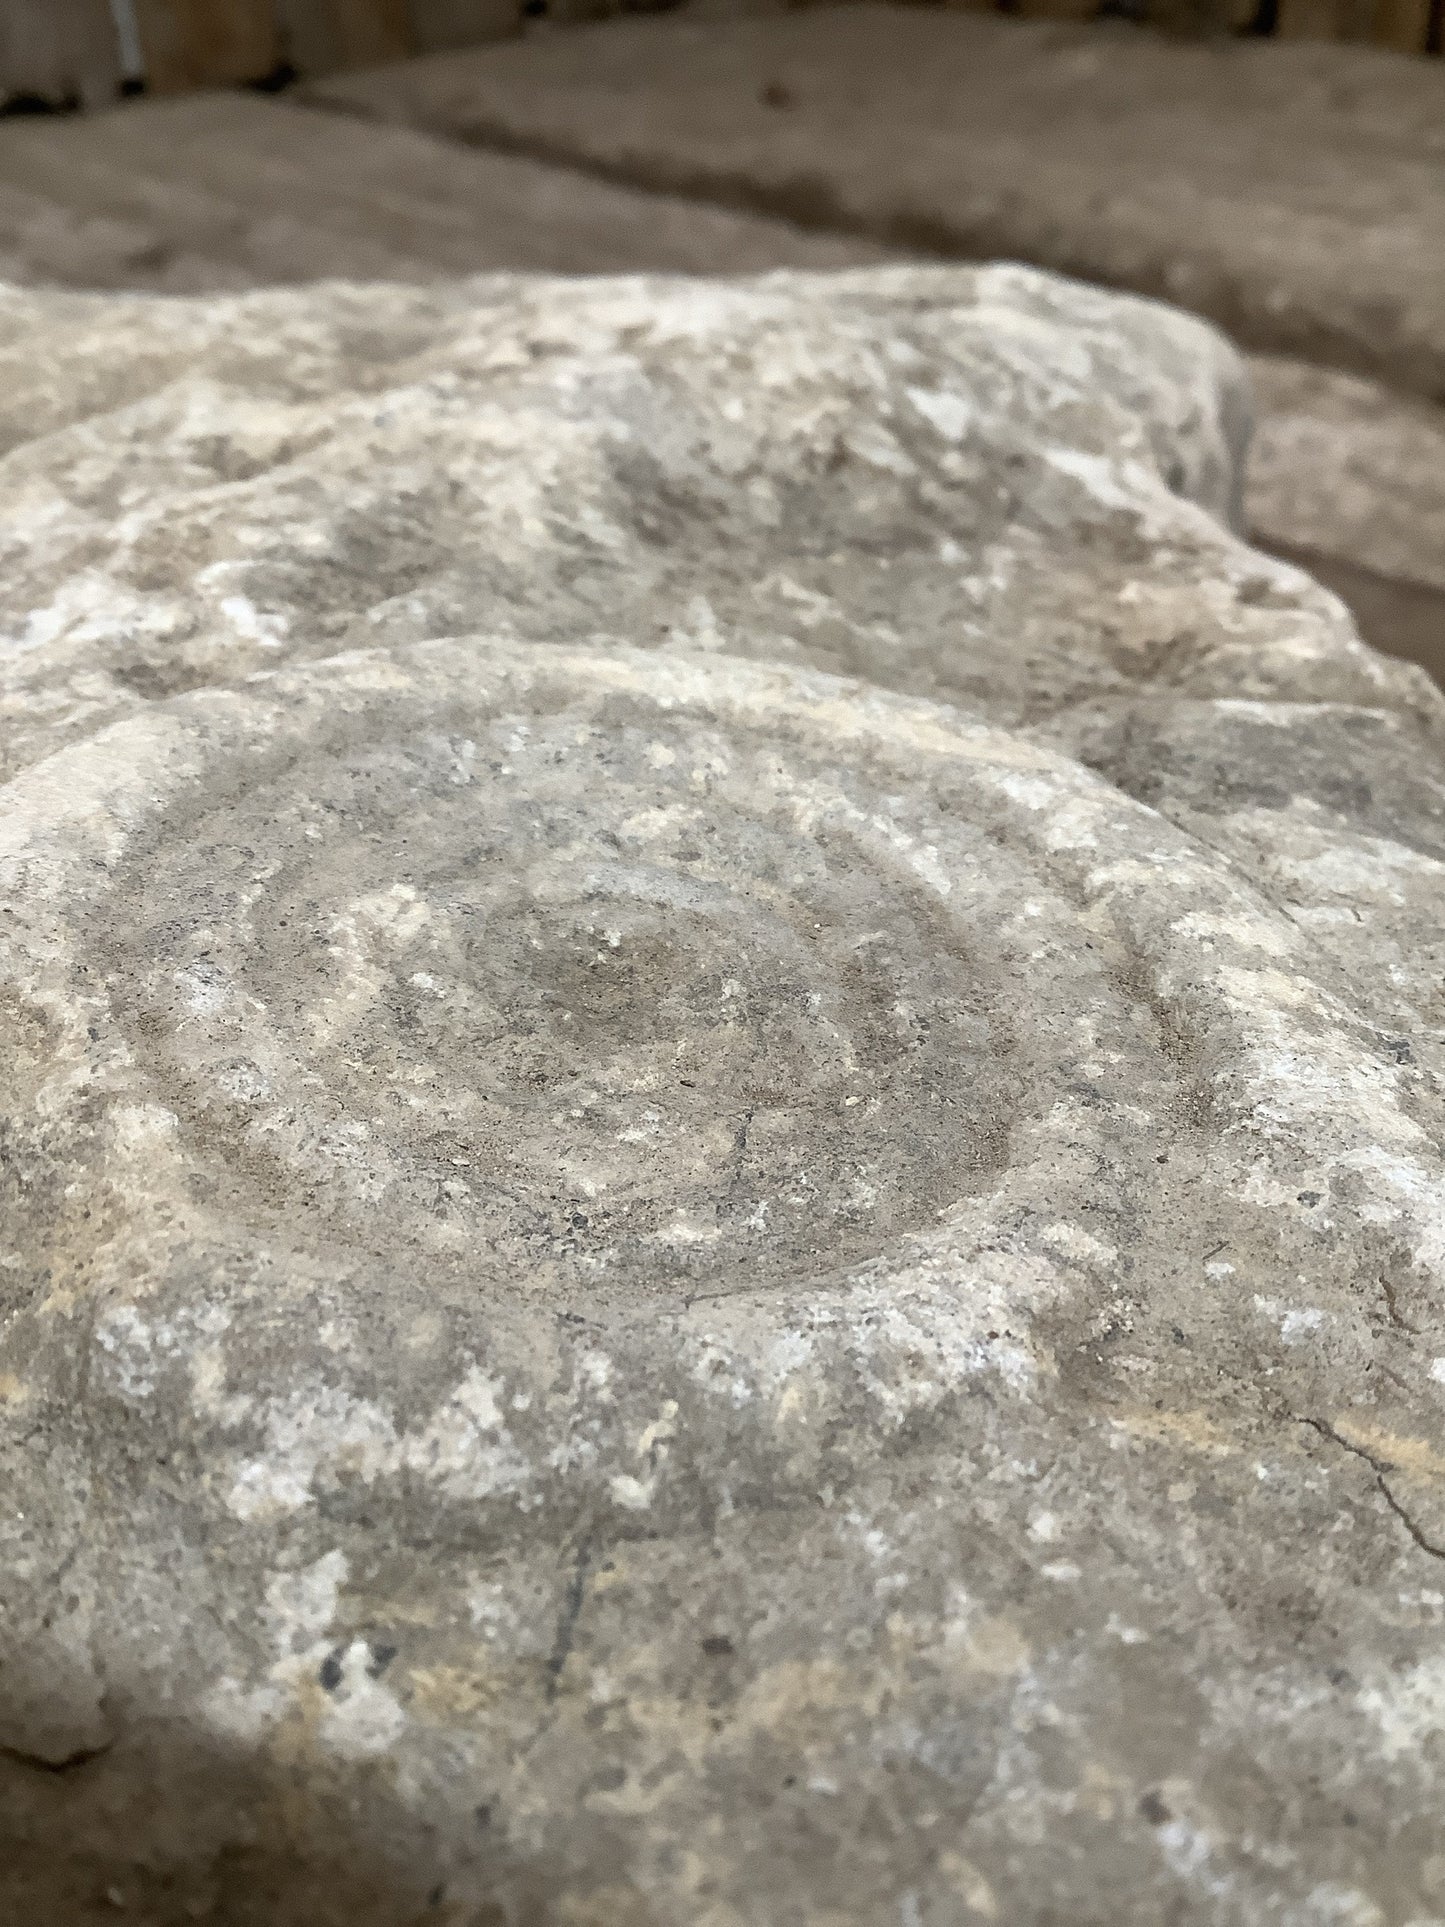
[
  {"x": 1379, "y": 1467},
  {"x": 1392, "y": 1306},
  {"x": 82, "y": 1756},
  {"x": 570, "y": 1614}
]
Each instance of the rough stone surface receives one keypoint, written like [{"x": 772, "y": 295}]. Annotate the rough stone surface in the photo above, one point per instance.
[
  {"x": 645, "y": 1287},
  {"x": 1350, "y": 479},
  {"x": 1293, "y": 193},
  {"x": 1403, "y": 618},
  {"x": 1342, "y": 466},
  {"x": 231, "y": 191},
  {"x": 983, "y": 484},
  {"x": 227, "y": 192}
]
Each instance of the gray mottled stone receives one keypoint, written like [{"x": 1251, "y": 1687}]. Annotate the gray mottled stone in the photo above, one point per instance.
[
  {"x": 646, "y": 1287},
  {"x": 983, "y": 484},
  {"x": 1293, "y": 193},
  {"x": 220, "y": 191},
  {"x": 1342, "y": 467},
  {"x": 1348, "y": 480}
]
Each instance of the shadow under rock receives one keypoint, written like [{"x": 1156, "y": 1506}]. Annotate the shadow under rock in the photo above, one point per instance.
[
  {"x": 1398, "y": 618},
  {"x": 169, "y": 1829}
]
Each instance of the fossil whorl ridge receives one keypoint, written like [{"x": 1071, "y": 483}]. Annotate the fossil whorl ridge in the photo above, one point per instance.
[
  {"x": 612, "y": 1249},
  {"x": 517, "y": 967},
  {"x": 593, "y": 975}
]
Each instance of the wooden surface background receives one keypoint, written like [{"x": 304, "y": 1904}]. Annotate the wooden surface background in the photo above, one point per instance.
[
  {"x": 58, "y": 50},
  {"x": 74, "y": 52}
]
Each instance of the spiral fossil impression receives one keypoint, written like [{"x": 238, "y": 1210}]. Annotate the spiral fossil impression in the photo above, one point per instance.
[
  {"x": 558, "y": 976},
  {"x": 566, "y": 973},
  {"x": 641, "y": 1287}
]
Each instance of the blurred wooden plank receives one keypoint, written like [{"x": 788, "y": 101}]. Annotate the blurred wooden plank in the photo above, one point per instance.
[
  {"x": 329, "y": 36},
  {"x": 439, "y": 25},
  {"x": 1203, "y": 19},
  {"x": 58, "y": 50},
  {"x": 1326, "y": 19},
  {"x": 1054, "y": 9},
  {"x": 207, "y": 43},
  {"x": 1404, "y": 24},
  {"x": 1306, "y": 20}
]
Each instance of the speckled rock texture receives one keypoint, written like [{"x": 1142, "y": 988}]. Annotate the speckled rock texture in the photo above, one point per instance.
[
  {"x": 1348, "y": 480},
  {"x": 1340, "y": 466},
  {"x": 648, "y": 1286},
  {"x": 1292, "y": 192},
  {"x": 846, "y": 471}
]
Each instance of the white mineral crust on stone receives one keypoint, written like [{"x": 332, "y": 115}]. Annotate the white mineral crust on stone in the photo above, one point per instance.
[{"x": 646, "y": 1284}]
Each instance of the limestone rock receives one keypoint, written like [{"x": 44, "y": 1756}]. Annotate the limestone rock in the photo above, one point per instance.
[
  {"x": 980, "y": 483},
  {"x": 647, "y": 1287},
  {"x": 1292, "y": 193},
  {"x": 1339, "y": 466},
  {"x": 1349, "y": 480},
  {"x": 205, "y": 192},
  {"x": 231, "y": 191}
]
